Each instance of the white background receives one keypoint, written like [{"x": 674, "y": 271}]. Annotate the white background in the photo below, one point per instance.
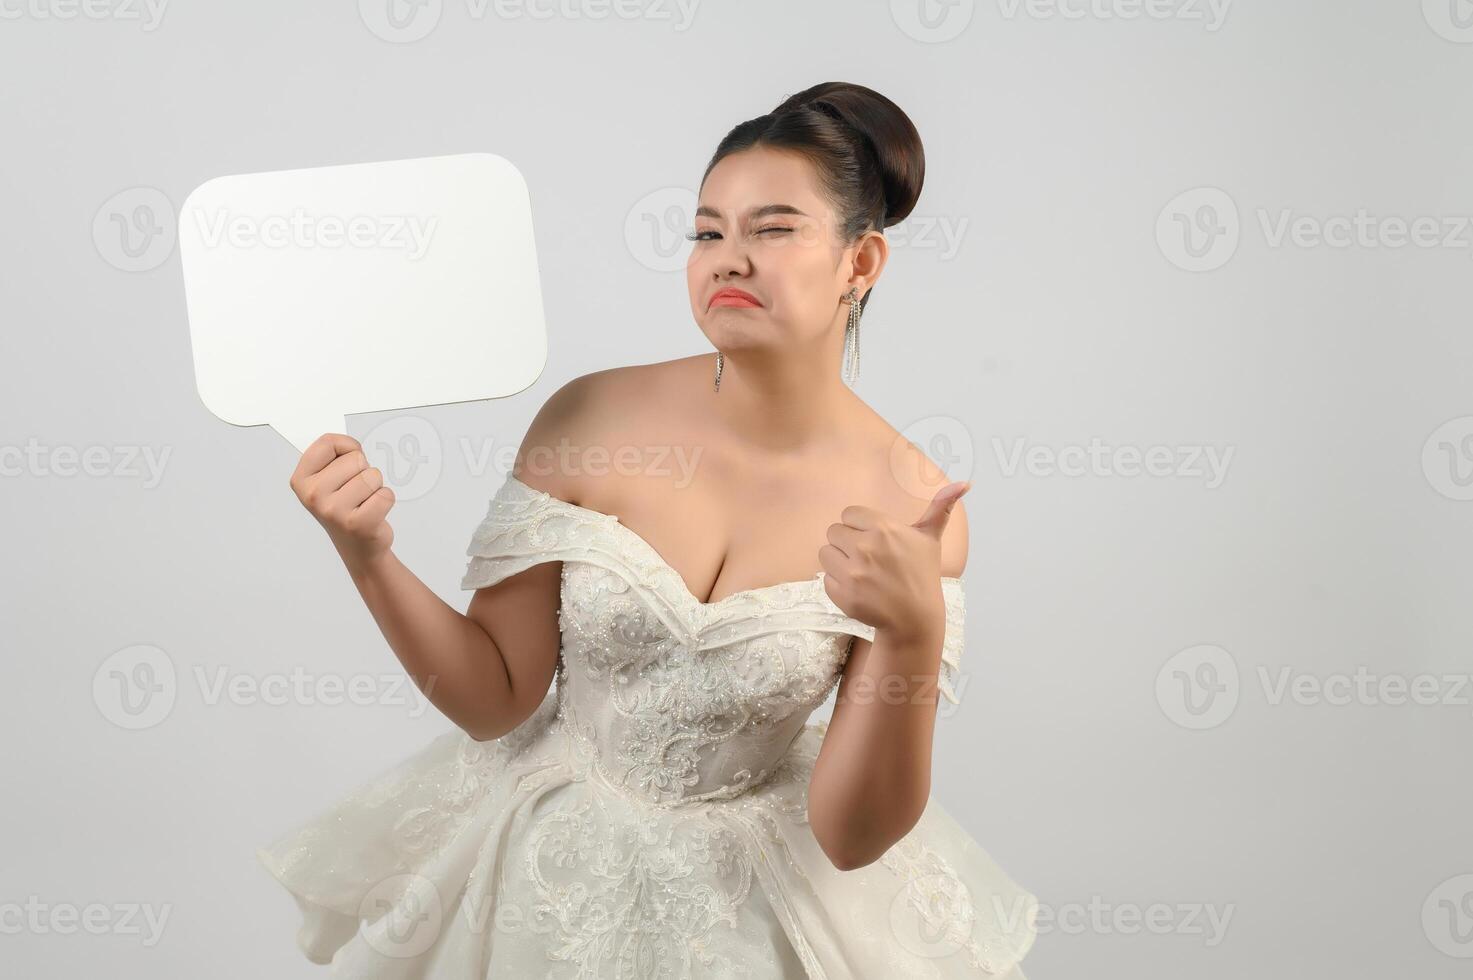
[{"x": 1044, "y": 291}]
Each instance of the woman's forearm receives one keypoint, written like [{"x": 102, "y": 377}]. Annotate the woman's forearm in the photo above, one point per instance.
[
  {"x": 872, "y": 778},
  {"x": 448, "y": 655}
]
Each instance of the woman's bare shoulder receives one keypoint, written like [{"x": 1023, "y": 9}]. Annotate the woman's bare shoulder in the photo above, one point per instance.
[
  {"x": 585, "y": 423},
  {"x": 910, "y": 478}
]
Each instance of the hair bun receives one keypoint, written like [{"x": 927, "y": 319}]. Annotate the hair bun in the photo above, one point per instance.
[{"x": 882, "y": 125}]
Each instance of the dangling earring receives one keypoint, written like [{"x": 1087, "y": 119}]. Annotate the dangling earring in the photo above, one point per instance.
[
  {"x": 719, "y": 361},
  {"x": 851, "y": 338}
]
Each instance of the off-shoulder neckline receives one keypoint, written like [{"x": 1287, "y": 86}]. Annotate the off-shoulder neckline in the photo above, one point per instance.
[{"x": 653, "y": 553}]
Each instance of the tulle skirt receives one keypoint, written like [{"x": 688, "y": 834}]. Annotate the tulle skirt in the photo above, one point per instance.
[{"x": 517, "y": 858}]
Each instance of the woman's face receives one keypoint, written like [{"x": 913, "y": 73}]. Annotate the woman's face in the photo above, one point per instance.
[{"x": 762, "y": 226}]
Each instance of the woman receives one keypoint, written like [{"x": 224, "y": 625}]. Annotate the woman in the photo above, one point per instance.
[{"x": 663, "y": 809}]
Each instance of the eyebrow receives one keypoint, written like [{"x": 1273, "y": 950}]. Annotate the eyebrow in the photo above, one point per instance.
[{"x": 706, "y": 211}]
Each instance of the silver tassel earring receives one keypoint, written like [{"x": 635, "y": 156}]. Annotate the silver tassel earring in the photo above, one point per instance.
[
  {"x": 851, "y": 344},
  {"x": 851, "y": 338}
]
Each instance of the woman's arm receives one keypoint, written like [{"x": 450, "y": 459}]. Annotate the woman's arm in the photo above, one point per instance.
[
  {"x": 487, "y": 669},
  {"x": 872, "y": 778}
]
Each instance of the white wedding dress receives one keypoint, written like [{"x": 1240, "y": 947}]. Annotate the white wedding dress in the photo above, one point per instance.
[{"x": 650, "y": 819}]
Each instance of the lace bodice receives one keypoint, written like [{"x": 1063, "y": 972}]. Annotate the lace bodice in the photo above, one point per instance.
[{"x": 671, "y": 699}]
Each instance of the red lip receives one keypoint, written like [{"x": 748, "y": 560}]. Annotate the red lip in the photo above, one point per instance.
[{"x": 731, "y": 296}]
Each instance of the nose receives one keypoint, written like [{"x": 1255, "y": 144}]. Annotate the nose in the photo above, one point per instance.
[{"x": 730, "y": 261}]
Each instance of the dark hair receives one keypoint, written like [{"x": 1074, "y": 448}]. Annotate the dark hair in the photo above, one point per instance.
[{"x": 866, "y": 150}]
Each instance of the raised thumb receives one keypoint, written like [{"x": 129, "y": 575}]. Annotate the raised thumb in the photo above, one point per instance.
[{"x": 933, "y": 521}]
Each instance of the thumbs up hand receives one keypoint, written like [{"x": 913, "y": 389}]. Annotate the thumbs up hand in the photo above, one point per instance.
[{"x": 887, "y": 573}]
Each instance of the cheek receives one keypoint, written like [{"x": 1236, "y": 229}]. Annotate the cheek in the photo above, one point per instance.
[
  {"x": 815, "y": 261},
  {"x": 695, "y": 277},
  {"x": 702, "y": 266},
  {"x": 791, "y": 258},
  {"x": 805, "y": 273}
]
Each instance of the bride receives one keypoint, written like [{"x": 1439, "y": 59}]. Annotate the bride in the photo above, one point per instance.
[{"x": 632, "y": 788}]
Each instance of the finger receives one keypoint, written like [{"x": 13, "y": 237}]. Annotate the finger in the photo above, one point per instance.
[
  {"x": 835, "y": 564},
  {"x": 845, "y": 538},
  {"x": 323, "y": 450},
  {"x": 376, "y": 507},
  {"x": 861, "y": 517},
  {"x": 341, "y": 470},
  {"x": 934, "y": 520},
  {"x": 358, "y": 489}
]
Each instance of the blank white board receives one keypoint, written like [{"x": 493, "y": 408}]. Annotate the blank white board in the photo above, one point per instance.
[{"x": 319, "y": 293}]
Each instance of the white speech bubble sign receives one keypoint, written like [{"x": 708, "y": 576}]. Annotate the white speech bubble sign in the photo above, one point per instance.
[{"x": 319, "y": 293}]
